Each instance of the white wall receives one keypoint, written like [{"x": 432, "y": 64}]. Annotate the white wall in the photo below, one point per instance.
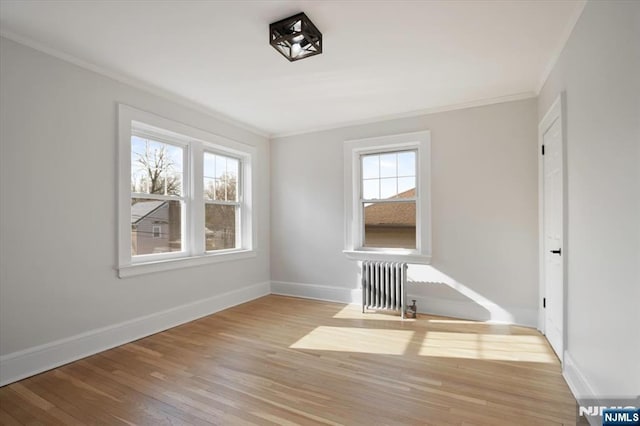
[
  {"x": 599, "y": 70},
  {"x": 58, "y": 127},
  {"x": 58, "y": 208},
  {"x": 484, "y": 201}
]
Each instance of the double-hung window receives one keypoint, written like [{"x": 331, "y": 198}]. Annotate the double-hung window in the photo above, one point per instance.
[
  {"x": 222, "y": 201},
  {"x": 157, "y": 196},
  {"x": 184, "y": 195},
  {"x": 387, "y": 198}
]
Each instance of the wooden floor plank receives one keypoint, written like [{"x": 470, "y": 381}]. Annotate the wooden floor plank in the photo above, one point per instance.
[{"x": 287, "y": 361}]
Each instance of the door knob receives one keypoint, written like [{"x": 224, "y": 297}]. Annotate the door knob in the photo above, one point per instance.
[{"x": 558, "y": 252}]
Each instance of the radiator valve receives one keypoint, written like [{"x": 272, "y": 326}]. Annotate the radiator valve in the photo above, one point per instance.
[{"x": 412, "y": 310}]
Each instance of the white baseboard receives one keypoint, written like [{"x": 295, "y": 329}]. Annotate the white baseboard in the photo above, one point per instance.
[
  {"x": 463, "y": 309},
  {"x": 317, "y": 292},
  {"x": 19, "y": 365},
  {"x": 469, "y": 310},
  {"x": 578, "y": 384}
]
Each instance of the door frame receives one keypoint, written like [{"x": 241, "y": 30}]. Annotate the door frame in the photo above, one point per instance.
[{"x": 554, "y": 113}]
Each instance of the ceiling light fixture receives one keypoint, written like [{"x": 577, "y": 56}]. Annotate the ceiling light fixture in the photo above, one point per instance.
[{"x": 295, "y": 37}]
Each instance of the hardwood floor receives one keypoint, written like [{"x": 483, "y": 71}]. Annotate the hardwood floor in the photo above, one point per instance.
[{"x": 283, "y": 361}]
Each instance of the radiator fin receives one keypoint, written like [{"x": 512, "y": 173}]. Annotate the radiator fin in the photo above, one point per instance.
[{"x": 384, "y": 285}]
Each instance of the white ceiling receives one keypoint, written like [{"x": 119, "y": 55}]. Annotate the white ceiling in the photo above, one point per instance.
[{"x": 381, "y": 58}]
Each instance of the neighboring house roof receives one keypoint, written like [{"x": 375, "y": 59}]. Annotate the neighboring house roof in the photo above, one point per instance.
[
  {"x": 396, "y": 214},
  {"x": 142, "y": 209}
]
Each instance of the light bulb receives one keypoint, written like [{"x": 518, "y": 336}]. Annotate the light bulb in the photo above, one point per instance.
[{"x": 295, "y": 49}]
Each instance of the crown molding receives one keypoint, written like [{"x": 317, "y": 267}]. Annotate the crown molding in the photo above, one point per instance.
[
  {"x": 163, "y": 93},
  {"x": 415, "y": 113},
  {"x": 131, "y": 81}
]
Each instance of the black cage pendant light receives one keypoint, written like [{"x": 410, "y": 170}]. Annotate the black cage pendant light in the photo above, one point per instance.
[{"x": 295, "y": 37}]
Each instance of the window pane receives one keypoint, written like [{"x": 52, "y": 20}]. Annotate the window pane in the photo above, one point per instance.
[
  {"x": 390, "y": 225},
  {"x": 407, "y": 163},
  {"x": 231, "y": 188},
  {"x": 371, "y": 189},
  {"x": 156, "y": 167},
  {"x": 406, "y": 187},
  {"x": 388, "y": 166},
  {"x": 209, "y": 168},
  {"x": 220, "y": 226},
  {"x": 232, "y": 167},
  {"x": 156, "y": 226},
  {"x": 388, "y": 188},
  {"x": 221, "y": 166},
  {"x": 220, "y": 177},
  {"x": 209, "y": 188},
  {"x": 370, "y": 166}
]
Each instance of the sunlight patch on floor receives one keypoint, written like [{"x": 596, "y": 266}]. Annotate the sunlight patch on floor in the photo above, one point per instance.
[
  {"x": 496, "y": 347},
  {"x": 354, "y": 311},
  {"x": 352, "y": 339},
  {"x": 453, "y": 321}
]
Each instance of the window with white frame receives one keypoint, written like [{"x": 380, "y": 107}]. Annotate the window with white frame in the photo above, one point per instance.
[
  {"x": 222, "y": 201},
  {"x": 185, "y": 195},
  {"x": 157, "y": 197},
  {"x": 387, "y": 198}
]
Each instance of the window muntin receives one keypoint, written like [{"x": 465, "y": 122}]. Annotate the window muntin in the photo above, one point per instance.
[
  {"x": 157, "y": 196},
  {"x": 388, "y": 198},
  {"x": 222, "y": 185}
]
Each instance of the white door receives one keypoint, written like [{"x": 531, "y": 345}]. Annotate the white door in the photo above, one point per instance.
[{"x": 552, "y": 225}]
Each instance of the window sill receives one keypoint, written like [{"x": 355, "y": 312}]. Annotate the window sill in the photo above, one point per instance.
[
  {"x": 391, "y": 256},
  {"x": 183, "y": 262}
]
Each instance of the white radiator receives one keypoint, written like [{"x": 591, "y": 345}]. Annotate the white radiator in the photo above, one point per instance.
[{"x": 384, "y": 285}]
